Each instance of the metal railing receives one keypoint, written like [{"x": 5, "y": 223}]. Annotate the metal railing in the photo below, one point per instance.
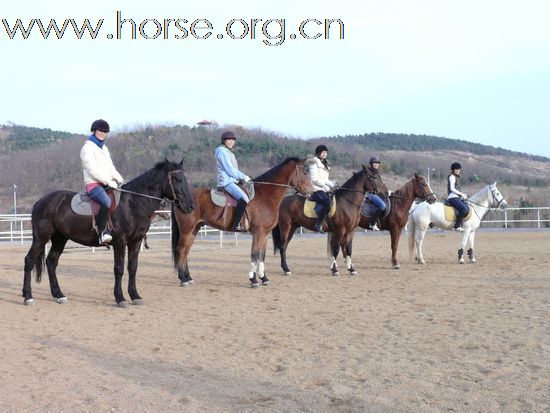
[{"x": 17, "y": 228}]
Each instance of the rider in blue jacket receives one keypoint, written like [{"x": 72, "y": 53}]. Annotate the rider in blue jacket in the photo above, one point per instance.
[{"x": 229, "y": 175}]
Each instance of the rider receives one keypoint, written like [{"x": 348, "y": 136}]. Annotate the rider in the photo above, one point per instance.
[
  {"x": 318, "y": 170},
  {"x": 379, "y": 188},
  {"x": 229, "y": 175},
  {"x": 99, "y": 173},
  {"x": 455, "y": 196}
]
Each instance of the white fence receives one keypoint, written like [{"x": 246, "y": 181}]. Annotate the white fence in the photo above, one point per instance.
[{"x": 17, "y": 228}]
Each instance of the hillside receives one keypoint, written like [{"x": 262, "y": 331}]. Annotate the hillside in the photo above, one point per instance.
[{"x": 41, "y": 160}]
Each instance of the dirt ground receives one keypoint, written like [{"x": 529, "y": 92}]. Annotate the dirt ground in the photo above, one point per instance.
[{"x": 440, "y": 337}]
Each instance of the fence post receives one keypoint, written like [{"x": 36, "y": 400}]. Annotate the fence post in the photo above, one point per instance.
[
  {"x": 538, "y": 218},
  {"x": 505, "y": 219},
  {"x": 21, "y": 232}
]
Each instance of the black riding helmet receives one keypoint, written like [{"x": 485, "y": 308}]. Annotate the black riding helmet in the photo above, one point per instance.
[
  {"x": 101, "y": 125},
  {"x": 455, "y": 165},
  {"x": 228, "y": 135},
  {"x": 320, "y": 149},
  {"x": 374, "y": 159}
]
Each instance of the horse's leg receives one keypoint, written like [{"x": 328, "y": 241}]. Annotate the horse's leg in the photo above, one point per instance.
[
  {"x": 346, "y": 252},
  {"x": 119, "y": 252},
  {"x": 255, "y": 253},
  {"x": 418, "y": 240},
  {"x": 185, "y": 244},
  {"x": 58, "y": 245},
  {"x": 285, "y": 240},
  {"x": 334, "y": 246},
  {"x": 465, "y": 236},
  {"x": 261, "y": 260},
  {"x": 133, "y": 254},
  {"x": 395, "y": 234},
  {"x": 471, "y": 247},
  {"x": 35, "y": 256}
]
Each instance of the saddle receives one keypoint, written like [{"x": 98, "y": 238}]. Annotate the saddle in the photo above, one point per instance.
[
  {"x": 82, "y": 204},
  {"x": 221, "y": 198},
  {"x": 309, "y": 208},
  {"x": 451, "y": 212},
  {"x": 368, "y": 209}
]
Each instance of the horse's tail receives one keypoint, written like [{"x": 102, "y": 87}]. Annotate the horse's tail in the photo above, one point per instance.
[
  {"x": 175, "y": 238},
  {"x": 40, "y": 264},
  {"x": 411, "y": 228},
  {"x": 277, "y": 243}
]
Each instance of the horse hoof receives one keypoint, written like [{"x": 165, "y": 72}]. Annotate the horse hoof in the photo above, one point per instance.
[
  {"x": 29, "y": 302},
  {"x": 287, "y": 273},
  {"x": 353, "y": 272},
  {"x": 267, "y": 282},
  {"x": 62, "y": 300},
  {"x": 191, "y": 281},
  {"x": 185, "y": 284},
  {"x": 336, "y": 274},
  {"x": 122, "y": 304},
  {"x": 397, "y": 267},
  {"x": 473, "y": 260},
  {"x": 138, "y": 301},
  {"x": 254, "y": 285},
  {"x": 461, "y": 262}
]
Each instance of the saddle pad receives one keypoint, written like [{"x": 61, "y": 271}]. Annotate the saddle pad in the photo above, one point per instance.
[
  {"x": 368, "y": 209},
  {"x": 309, "y": 209},
  {"x": 82, "y": 204},
  {"x": 222, "y": 198},
  {"x": 450, "y": 213}
]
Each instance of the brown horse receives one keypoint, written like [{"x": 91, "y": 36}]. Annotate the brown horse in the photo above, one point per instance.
[
  {"x": 341, "y": 225},
  {"x": 262, "y": 211},
  {"x": 401, "y": 201}
]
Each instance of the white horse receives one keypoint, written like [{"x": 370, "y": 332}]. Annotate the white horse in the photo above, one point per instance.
[{"x": 425, "y": 214}]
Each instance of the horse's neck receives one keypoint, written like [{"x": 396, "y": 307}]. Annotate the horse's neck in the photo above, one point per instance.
[
  {"x": 404, "y": 198},
  {"x": 481, "y": 205},
  {"x": 151, "y": 205},
  {"x": 355, "y": 191}
]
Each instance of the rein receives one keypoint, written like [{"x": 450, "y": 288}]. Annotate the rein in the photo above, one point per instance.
[{"x": 175, "y": 199}]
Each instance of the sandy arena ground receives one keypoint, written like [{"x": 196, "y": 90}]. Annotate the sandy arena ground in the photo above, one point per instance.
[{"x": 440, "y": 337}]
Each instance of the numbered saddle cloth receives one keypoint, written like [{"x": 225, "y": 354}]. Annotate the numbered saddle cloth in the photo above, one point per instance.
[
  {"x": 82, "y": 204},
  {"x": 309, "y": 208},
  {"x": 450, "y": 213}
]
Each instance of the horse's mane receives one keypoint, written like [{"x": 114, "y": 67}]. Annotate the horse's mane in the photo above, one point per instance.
[
  {"x": 406, "y": 189},
  {"x": 477, "y": 197},
  {"x": 274, "y": 172},
  {"x": 148, "y": 177},
  {"x": 351, "y": 182}
]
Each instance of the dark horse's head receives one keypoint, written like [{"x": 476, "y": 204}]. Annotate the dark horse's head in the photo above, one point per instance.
[{"x": 175, "y": 187}]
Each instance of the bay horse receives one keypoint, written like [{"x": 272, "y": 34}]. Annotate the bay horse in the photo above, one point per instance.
[
  {"x": 53, "y": 219},
  {"x": 401, "y": 201},
  {"x": 425, "y": 216},
  {"x": 263, "y": 210},
  {"x": 342, "y": 224}
]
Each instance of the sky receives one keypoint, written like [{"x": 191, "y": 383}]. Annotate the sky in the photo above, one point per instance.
[{"x": 472, "y": 70}]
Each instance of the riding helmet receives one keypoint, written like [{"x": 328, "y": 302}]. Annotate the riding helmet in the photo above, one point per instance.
[
  {"x": 228, "y": 135},
  {"x": 455, "y": 165},
  {"x": 320, "y": 149},
  {"x": 374, "y": 159},
  {"x": 101, "y": 125}
]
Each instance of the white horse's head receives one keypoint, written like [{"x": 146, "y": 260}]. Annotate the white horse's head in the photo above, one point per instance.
[{"x": 496, "y": 199}]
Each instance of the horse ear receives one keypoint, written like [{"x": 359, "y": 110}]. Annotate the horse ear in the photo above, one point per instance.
[
  {"x": 416, "y": 175},
  {"x": 180, "y": 164},
  {"x": 364, "y": 167},
  {"x": 166, "y": 160}
]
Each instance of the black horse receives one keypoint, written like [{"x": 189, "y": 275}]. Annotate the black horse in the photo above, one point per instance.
[{"x": 53, "y": 219}]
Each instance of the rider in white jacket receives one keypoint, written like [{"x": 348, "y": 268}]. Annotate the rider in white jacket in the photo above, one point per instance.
[
  {"x": 318, "y": 169},
  {"x": 99, "y": 173}
]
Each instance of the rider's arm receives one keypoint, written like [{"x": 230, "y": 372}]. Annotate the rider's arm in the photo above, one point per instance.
[
  {"x": 94, "y": 167},
  {"x": 224, "y": 160},
  {"x": 452, "y": 181}
]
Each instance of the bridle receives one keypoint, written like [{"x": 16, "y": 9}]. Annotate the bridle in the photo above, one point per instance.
[
  {"x": 294, "y": 178},
  {"x": 175, "y": 200}
]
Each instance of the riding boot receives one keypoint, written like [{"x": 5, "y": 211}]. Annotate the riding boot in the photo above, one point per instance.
[
  {"x": 373, "y": 221},
  {"x": 458, "y": 223},
  {"x": 238, "y": 213},
  {"x": 101, "y": 220},
  {"x": 318, "y": 227}
]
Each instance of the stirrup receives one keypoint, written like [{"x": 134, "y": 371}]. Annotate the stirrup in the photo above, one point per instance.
[
  {"x": 105, "y": 238},
  {"x": 459, "y": 229},
  {"x": 375, "y": 227}
]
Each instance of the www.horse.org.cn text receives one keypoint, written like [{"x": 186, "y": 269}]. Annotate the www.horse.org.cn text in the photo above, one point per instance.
[{"x": 269, "y": 31}]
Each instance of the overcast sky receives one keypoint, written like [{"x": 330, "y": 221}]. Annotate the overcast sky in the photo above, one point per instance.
[{"x": 472, "y": 70}]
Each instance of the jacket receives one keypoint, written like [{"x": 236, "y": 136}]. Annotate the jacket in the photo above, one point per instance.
[
  {"x": 97, "y": 165},
  {"x": 319, "y": 175},
  {"x": 228, "y": 169},
  {"x": 376, "y": 181}
]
